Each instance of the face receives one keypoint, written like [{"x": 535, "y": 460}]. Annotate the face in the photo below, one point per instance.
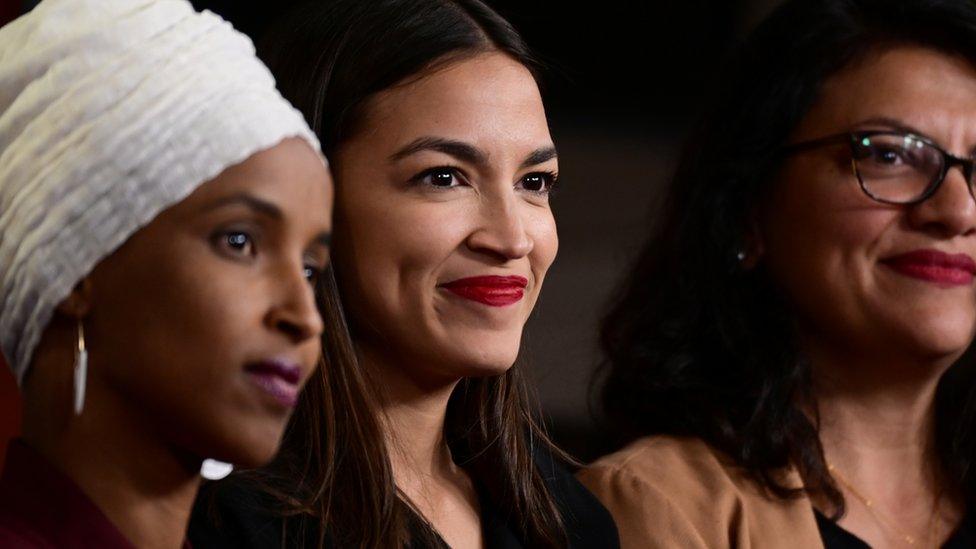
[
  {"x": 874, "y": 279},
  {"x": 204, "y": 322},
  {"x": 442, "y": 209}
]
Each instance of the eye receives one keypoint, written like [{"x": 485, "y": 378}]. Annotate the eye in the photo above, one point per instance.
[
  {"x": 889, "y": 156},
  {"x": 238, "y": 243},
  {"x": 539, "y": 182},
  {"x": 895, "y": 153},
  {"x": 313, "y": 273},
  {"x": 441, "y": 177}
]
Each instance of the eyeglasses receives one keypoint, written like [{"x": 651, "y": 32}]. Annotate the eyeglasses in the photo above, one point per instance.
[{"x": 895, "y": 167}]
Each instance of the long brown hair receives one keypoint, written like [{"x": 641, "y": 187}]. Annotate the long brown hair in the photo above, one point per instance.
[{"x": 334, "y": 473}]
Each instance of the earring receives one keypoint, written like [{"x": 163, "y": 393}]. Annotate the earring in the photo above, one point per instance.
[
  {"x": 212, "y": 469},
  {"x": 741, "y": 255},
  {"x": 81, "y": 370}
]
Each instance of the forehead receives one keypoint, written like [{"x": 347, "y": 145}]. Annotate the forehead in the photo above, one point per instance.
[
  {"x": 289, "y": 175},
  {"x": 489, "y": 100},
  {"x": 922, "y": 87}
]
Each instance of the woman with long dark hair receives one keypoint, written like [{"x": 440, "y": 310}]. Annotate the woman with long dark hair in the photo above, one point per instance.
[
  {"x": 789, "y": 345},
  {"x": 419, "y": 431},
  {"x": 163, "y": 215}
]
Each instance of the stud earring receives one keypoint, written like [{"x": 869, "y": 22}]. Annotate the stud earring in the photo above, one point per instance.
[
  {"x": 741, "y": 255},
  {"x": 81, "y": 370}
]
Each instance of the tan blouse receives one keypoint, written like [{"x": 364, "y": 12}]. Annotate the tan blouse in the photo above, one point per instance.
[{"x": 679, "y": 492}]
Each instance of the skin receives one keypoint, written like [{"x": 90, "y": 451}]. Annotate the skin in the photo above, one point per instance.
[
  {"x": 879, "y": 341},
  {"x": 172, "y": 319},
  {"x": 401, "y": 237}
]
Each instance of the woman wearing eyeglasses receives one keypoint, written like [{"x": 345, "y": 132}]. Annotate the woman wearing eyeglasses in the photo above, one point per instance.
[{"x": 787, "y": 354}]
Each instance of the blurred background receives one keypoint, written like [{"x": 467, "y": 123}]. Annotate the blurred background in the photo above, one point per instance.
[{"x": 626, "y": 81}]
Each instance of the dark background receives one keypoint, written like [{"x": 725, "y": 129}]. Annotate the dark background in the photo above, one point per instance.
[{"x": 626, "y": 81}]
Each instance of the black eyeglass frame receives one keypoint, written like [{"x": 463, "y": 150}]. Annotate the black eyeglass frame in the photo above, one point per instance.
[{"x": 968, "y": 165}]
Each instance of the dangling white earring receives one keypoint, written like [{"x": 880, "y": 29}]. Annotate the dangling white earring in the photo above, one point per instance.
[
  {"x": 81, "y": 370},
  {"x": 741, "y": 256},
  {"x": 212, "y": 469}
]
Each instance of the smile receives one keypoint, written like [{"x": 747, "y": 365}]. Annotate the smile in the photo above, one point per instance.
[
  {"x": 494, "y": 291},
  {"x": 935, "y": 266}
]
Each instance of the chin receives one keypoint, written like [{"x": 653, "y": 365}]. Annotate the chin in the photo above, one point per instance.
[
  {"x": 485, "y": 369},
  {"x": 484, "y": 355},
  {"x": 247, "y": 446},
  {"x": 939, "y": 341}
]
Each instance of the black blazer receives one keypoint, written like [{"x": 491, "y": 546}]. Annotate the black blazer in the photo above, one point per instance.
[{"x": 231, "y": 515}]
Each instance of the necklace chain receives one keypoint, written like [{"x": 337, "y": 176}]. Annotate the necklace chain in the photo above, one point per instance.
[{"x": 869, "y": 504}]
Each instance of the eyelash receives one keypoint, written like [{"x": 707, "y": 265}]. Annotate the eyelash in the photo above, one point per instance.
[
  {"x": 226, "y": 241},
  {"x": 313, "y": 274},
  {"x": 551, "y": 178},
  {"x": 455, "y": 172}
]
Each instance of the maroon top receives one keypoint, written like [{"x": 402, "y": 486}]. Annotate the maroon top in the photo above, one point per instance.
[{"x": 42, "y": 508}]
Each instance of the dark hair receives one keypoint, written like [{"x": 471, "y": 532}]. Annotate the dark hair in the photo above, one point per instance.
[
  {"x": 330, "y": 59},
  {"x": 697, "y": 346}
]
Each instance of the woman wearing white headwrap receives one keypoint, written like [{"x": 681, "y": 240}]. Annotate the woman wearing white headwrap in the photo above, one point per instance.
[{"x": 163, "y": 214}]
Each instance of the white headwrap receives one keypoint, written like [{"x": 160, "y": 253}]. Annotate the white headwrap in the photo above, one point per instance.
[{"x": 112, "y": 111}]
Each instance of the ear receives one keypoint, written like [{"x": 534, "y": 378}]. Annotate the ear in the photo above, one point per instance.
[
  {"x": 753, "y": 243},
  {"x": 78, "y": 303}
]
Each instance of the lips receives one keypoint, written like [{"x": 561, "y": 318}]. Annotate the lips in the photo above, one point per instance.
[
  {"x": 279, "y": 379},
  {"x": 494, "y": 291},
  {"x": 935, "y": 266}
]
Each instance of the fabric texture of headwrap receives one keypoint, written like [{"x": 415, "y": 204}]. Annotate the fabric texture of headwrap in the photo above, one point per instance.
[{"x": 112, "y": 111}]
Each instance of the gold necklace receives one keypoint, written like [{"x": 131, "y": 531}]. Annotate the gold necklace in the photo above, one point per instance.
[{"x": 869, "y": 504}]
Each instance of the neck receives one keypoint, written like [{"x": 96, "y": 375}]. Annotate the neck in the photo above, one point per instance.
[
  {"x": 413, "y": 413},
  {"x": 877, "y": 420},
  {"x": 143, "y": 487}
]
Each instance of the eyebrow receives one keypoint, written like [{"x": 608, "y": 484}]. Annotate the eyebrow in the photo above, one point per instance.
[
  {"x": 324, "y": 239},
  {"x": 894, "y": 124},
  {"x": 457, "y": 149},
  {"x": 466, "y": 152},
  {"x": 540, "y": 155},
  {"x": 265, "y": 208},
  {"x": 254, "y": 203}
]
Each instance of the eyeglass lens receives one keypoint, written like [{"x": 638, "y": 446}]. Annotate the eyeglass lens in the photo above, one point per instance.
[{"x": 896, "y": 168}]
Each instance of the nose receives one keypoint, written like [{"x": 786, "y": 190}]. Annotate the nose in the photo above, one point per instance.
[
  {"x": 501, "y": 231},
  {"x": 293, "y": 311},
  {"x": 951, "y": 211}
]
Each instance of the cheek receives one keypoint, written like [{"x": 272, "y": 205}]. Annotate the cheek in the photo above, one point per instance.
[
  {"x": 397, "y": 245},
  {"x": 545, "y": 239},
  {"x": 820, "y": 240},
  {"x": 175, "y": 325},
  {"x": 816, "y": 226}
]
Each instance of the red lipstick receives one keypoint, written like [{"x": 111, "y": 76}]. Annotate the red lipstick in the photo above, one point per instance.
[
  {"x": 279, "y": 379},
  {"x": 494, "y": 291},
  {"x": 935, "y": 266}
]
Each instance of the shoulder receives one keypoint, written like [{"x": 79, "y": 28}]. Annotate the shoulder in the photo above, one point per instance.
[
  {"x": 681, "y": 491},
  {"x": 667, "y": 462},
  {"x": 16, "y": 536},
  {"x": 588, "y": 523},
  {"x": 16, "y": 528}
]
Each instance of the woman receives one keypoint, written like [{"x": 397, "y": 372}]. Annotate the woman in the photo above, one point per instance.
[
  {"x": 420, "y": 432},
  {"x": 788, "y": 346},
  {"x": 162, "y": 210}
]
